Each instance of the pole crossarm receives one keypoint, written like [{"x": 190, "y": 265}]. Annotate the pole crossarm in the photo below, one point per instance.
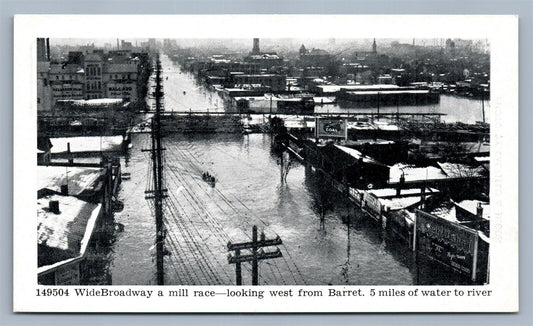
[
  {"x": 260, "y": 256},
  {"x": 258, "y": 244},
  {"x": 257, "y": 254}
]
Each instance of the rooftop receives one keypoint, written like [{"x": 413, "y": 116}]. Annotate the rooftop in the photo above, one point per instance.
[
  {"x": 62, "y": 68},
  {"x": 358, "y": 155},
  {"x": 67, "y": 234},
  {"x": 78, "y": 179},
  {"x": 376, "y": 87},
  {"x": 87, "y": 144},
  {"x": 93, "y": 102},
  {"x": 400, "y": 91},
  {"x": 412, "y": 173},
  {"x": 456, "y": 170},
  {"x": 121, "y": 68},
  {"x": 471, "y": 207}
]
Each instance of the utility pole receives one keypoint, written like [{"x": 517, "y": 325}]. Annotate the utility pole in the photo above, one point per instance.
[
  {"x": 483, "y": 103},
  {"x": 158, "y": 194},
  {"x": 255, "y": 256},
  {"x": 378, "y": 104}
]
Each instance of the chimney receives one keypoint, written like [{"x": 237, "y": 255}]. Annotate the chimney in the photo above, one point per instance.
[
  {"x": 48, "y": 49},
  {"x": 400, "y": 185},
  {"x": 64, "y": 190},
  {"x": 479, "y": 211},
  {"x": 53, "y": 205},
  {"x": 41, "y": 49}
]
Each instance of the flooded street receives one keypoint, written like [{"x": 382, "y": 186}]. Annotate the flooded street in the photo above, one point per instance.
[{"x": 249, "y": 190}]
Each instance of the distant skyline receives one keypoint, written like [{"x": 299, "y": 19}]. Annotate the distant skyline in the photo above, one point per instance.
[{"x": 100, "y": 42}]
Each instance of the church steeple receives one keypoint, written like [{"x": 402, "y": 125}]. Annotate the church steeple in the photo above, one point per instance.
[{"x": 374, "y": 47}]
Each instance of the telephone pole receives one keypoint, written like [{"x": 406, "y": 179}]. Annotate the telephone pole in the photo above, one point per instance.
[
  {"x": 255, "y": 256},
  {"x": 158, "y": 193}
]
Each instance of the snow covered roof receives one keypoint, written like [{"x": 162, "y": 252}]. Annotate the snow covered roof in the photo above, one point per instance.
[
  {"x": 471, "y": 206},
  {"x": 358, "y": 155},
  {"x": 298, "y": 123},
  {"x": 79, "y": 179},
  {"x": 456, "y": 170},
  {"x": 412, "y": 173},
  {"x": 446, "y": 212},
  {"x": 87, "y": 144},
  {"x": 360, "y": 125},
  {"x": 65, "y": 68},
  {"x": 399, "y": 203},
  {"x": 386, "y": 125},
  {"x": 70, "y": 230},
  {"x": 98, "y": 101},
  {"x": 391, "y": 192},
  {"x": 408, "y": 197},
  {"x": 388, "y": 92},
  {"x": 482, "y": 159},
  {"x": 376, "y": 87}
]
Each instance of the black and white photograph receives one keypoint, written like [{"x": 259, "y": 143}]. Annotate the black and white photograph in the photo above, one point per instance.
[
  {"x": 355, "y": 164},
  {"x": 228, "y": 161}
]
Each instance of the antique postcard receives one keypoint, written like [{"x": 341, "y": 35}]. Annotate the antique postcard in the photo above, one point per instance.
[{"x": 268, "y": 163}]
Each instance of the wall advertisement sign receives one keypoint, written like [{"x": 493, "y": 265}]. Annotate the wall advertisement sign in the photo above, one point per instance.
[
  {"x": 449, "y": 243},
  {"x": 331, "y": 128}
]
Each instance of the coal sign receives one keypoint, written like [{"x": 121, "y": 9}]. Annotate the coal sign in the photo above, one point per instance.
[{"x": 329, "y": 128}]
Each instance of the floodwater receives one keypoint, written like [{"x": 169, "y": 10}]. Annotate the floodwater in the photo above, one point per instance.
[
  {"x": 455, "y": 108},
  {"x": 184, "y": 93},
  {"x": 201, "y": 219}
]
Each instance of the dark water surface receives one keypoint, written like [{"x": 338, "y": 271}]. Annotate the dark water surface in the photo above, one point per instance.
[{"x": 249, "y": 191}]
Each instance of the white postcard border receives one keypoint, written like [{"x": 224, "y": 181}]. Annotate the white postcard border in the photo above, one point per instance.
[{"x": 502, "y": 31}]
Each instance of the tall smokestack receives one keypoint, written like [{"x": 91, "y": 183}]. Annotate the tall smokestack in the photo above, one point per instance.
[
  {"x": 41, "y": 50},
  {"x": 255, "y": 49},
  {"x": 48, "y": 49}
]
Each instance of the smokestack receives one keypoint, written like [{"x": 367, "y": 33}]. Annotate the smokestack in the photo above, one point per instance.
[
  {"x": 48, "y": 49},
  {"x": 118, "y": 46},
  {"x": 255, "y": 49},
  {"x": 53, "y": 205},
  {"x": 41, "y": 50}
]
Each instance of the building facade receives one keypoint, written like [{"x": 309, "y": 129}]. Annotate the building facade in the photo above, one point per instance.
[{"x": 86, "y": 76}]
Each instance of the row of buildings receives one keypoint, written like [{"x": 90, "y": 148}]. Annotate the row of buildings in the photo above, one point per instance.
[
  {"x": 93, "y": 74},
  {"x": 439, "y": 208},
  {"x": 262, "y": 81},
  {"x": 78, "y": 179}
]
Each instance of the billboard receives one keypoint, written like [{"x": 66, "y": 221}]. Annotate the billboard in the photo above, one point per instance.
[
  {"x": 449, "y": 243},
  {"x": 331, "y": 128}
]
